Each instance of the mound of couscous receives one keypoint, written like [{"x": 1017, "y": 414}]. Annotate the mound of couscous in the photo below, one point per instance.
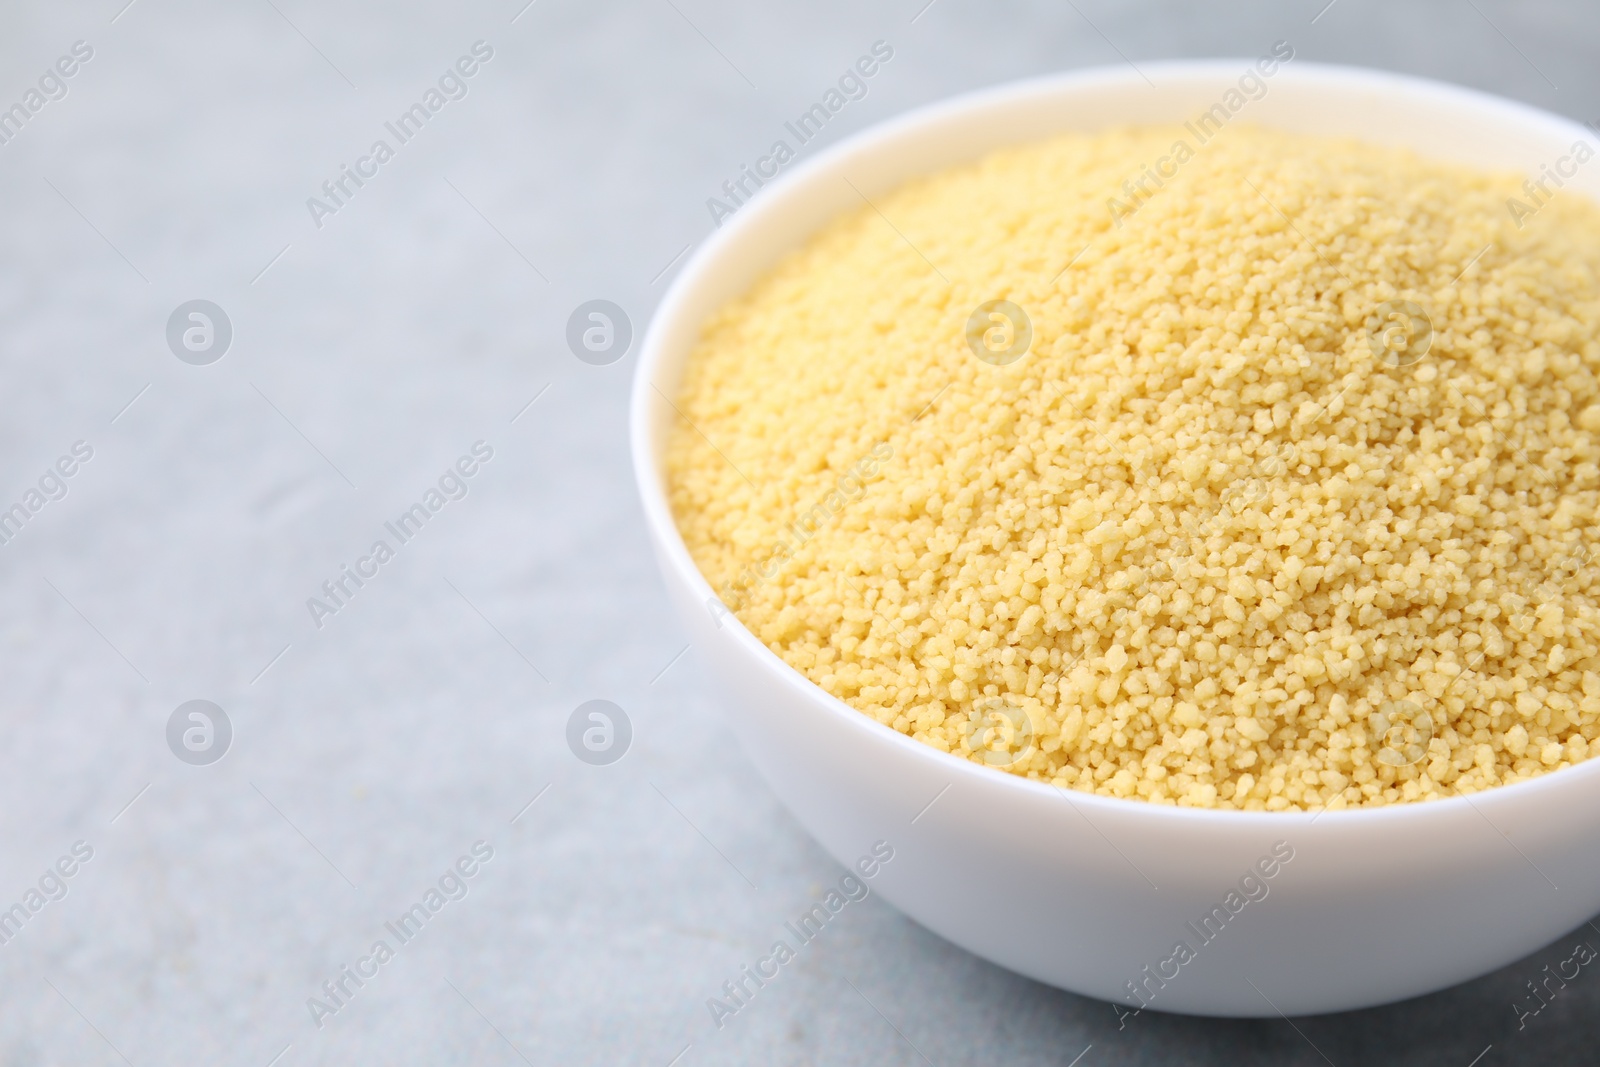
[{"x": 1268, "y": 483}]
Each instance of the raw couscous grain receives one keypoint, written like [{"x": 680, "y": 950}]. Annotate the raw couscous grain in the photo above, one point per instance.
[{"x": 1226, "y": 535}]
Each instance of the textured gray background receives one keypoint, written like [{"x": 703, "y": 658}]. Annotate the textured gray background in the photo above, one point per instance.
[{"x": 374, "y": 751}]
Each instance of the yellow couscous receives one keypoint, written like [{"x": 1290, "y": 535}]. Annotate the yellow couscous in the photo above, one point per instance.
[{"x": 1267, "y": 484}]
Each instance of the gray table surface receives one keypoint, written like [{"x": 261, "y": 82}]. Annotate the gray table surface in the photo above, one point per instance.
[{"x": 367, "y": 355}]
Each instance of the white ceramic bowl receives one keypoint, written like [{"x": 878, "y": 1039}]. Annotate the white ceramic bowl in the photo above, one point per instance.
[{"x": 1086, "y": 892}]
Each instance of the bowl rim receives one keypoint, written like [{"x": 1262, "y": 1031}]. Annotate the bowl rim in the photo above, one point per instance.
[{"x": 650, "y": 480}]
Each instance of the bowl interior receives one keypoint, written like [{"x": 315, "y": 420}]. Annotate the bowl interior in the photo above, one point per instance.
[{"x": 1435, "y": 120}]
